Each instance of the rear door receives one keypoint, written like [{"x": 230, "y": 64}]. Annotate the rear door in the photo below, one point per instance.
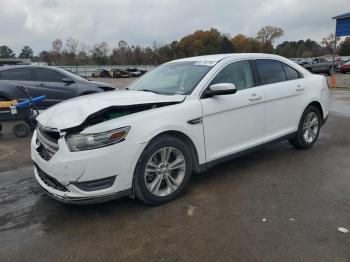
[
  {"x": 283, "y": 97},
  {"x": 21, "y": 76},
  {"x": 49, "y": 83}
]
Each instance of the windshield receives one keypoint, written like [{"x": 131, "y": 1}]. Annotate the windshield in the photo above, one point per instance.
[{"x": 173, "y": 78}]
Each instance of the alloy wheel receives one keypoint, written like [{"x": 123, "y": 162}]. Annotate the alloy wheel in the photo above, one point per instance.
[
  {"x": 165, "y": 171},
  {"x": 310, "y": 127}
]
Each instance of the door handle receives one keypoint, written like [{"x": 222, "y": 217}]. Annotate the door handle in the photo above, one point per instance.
[
  {"x": 299, "y": 88},
  {"x": 254, "y": 97},
  {"x": 42, "y": 84}
]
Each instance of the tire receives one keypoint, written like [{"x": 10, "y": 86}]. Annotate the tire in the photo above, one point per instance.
[
  {"x": 21, "y": 130},
  {"x": 160, "y": 184},
  {"x": 308, "y": 124}
]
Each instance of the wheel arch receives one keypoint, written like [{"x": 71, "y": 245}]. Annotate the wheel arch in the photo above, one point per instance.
[
  {"x": 188, "y": 141},
  {"x": 318, "y": 105}
]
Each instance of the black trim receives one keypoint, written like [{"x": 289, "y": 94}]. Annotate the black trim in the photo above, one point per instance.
[
  {"x": 93, "y": 185},
  {"x": 195, "y": 121},
  {"x": 254, "y": 70},
  {"x": 49, "y": 180},
  {"x": 87, "y": 200},
  {"x": 215, "y": 162}
]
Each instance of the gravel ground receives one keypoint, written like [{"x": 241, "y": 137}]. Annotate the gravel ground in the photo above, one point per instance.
[{"x": 278, "y": 204}]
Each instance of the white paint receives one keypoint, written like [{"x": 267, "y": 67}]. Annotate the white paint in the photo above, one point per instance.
[{"x": 231, "y": 123}]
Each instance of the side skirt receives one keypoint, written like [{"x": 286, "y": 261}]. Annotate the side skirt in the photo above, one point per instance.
[{"x": 210, "y": 164}]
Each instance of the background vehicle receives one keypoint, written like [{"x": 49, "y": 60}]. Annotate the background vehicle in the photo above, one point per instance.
[
  {"x": 304, "y": 61},
  {"x": 345, "y": 68},
  {"x": 101, "y": 73},
  {"x": 134, "y": 72},
  {"x": 186, "y": 115},
  {"x": 319, "y": 65},
  {"x": 119, "y": 73},
  {"x": 55, "y": 83}
]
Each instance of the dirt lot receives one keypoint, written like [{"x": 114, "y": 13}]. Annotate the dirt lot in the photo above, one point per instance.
[{"x": 279, "y": 204}]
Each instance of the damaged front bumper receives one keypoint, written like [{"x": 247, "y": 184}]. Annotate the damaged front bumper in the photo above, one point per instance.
[
  {"x": 71, "y": 198},
  {"x": 85, "y": 177}
]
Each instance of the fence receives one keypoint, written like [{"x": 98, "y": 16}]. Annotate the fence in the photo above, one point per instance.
[{"x": 86, "y": 71}]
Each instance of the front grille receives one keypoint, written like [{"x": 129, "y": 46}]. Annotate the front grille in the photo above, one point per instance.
[
  {"x": 50, "y": 181},
  {"x": 47, "y": 141}
]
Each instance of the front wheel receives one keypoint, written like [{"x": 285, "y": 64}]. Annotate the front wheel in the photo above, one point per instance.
[
  {"x": 163, "y": 171},
  {"x": 309, "y": 128}
]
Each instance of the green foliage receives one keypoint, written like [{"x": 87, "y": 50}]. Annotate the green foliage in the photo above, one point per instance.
[
  {"x": 6, "y": 52},
  {"x": 299, "y": 49},
  {"x": 204, "y": 43},
  {"x": 26, "y": 52},
  {"x": 344, "y": 47}
]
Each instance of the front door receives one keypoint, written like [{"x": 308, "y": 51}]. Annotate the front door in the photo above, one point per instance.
[
  {"x": 50, "y": 84},
  {"x": 233, "y": 122}
]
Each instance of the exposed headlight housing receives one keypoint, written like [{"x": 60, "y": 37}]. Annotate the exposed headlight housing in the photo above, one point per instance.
[{"x": 81, "y": 142}]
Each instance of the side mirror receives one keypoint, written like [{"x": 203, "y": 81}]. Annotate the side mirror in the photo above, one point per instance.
[
  {"x": 67, "y": 80},
  {"x": 220, "y": 89}
]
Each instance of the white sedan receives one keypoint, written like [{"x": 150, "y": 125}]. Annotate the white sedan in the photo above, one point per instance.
[{"x": 184, "y": 116}]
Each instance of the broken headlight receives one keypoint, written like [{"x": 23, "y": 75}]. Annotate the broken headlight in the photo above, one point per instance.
[{"x": 82, "y": 142}]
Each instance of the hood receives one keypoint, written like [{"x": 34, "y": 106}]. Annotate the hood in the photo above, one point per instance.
[
  {"x": 99, "y": 84},
  {"x": 73, "y": 112}
]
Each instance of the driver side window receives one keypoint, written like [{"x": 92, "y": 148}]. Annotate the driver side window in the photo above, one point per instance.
[
  {"x": 238, "y": 73},
  {"x": 46, "y": 75}
]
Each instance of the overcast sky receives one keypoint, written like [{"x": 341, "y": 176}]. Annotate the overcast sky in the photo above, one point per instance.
[{"x": 140, "y": 22}]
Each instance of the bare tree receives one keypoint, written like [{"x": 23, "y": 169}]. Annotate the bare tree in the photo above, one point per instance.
[
  {"x": 72, "y": 45},
  {"x": 100, "y": 53},
  {"x": 57, "y": 46},
  {"x": 328, "y": 42},
  {"x": 267, "y": 36}
]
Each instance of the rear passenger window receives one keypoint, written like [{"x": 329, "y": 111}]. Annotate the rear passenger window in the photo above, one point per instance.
[
  {"x": 239, "y": 74},
  {"x": 18, "y": 74},
  {"x": 47, "y": 75},
  {"x": 271, "y": 71},
  {"x": 290, "y": 72}
]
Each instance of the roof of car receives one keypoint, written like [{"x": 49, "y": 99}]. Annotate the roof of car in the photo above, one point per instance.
[
  {"x": 24, "y": 66},
  {"x": 219, "y": 57}
]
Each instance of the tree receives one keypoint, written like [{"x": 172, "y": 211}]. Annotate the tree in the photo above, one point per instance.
[
  {"x": 57, "y": 46},
  {"x": 100, "y": 53},
  {"x": 45, "y": 56},
  {"x": 6, "y": 52},
  {"x": 267, "y": 36},
  {"x": 244, "y": 44},
  {"x": 344, "y": 47},
  {"x": 26, "y": 52},
  {"x": 72, "y": 45},
  {"x": 328, "y": 43},
  {"x": 204, "y": 43},
  {"x": 300, "y": 49}
]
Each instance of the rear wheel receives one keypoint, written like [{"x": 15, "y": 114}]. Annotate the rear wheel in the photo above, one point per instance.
[
  {"x": 163, "y": 171},
  {"x": 309, "y": 128}
]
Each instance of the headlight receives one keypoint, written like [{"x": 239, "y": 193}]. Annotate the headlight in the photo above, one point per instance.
[{"x": 82, "y": 142}]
